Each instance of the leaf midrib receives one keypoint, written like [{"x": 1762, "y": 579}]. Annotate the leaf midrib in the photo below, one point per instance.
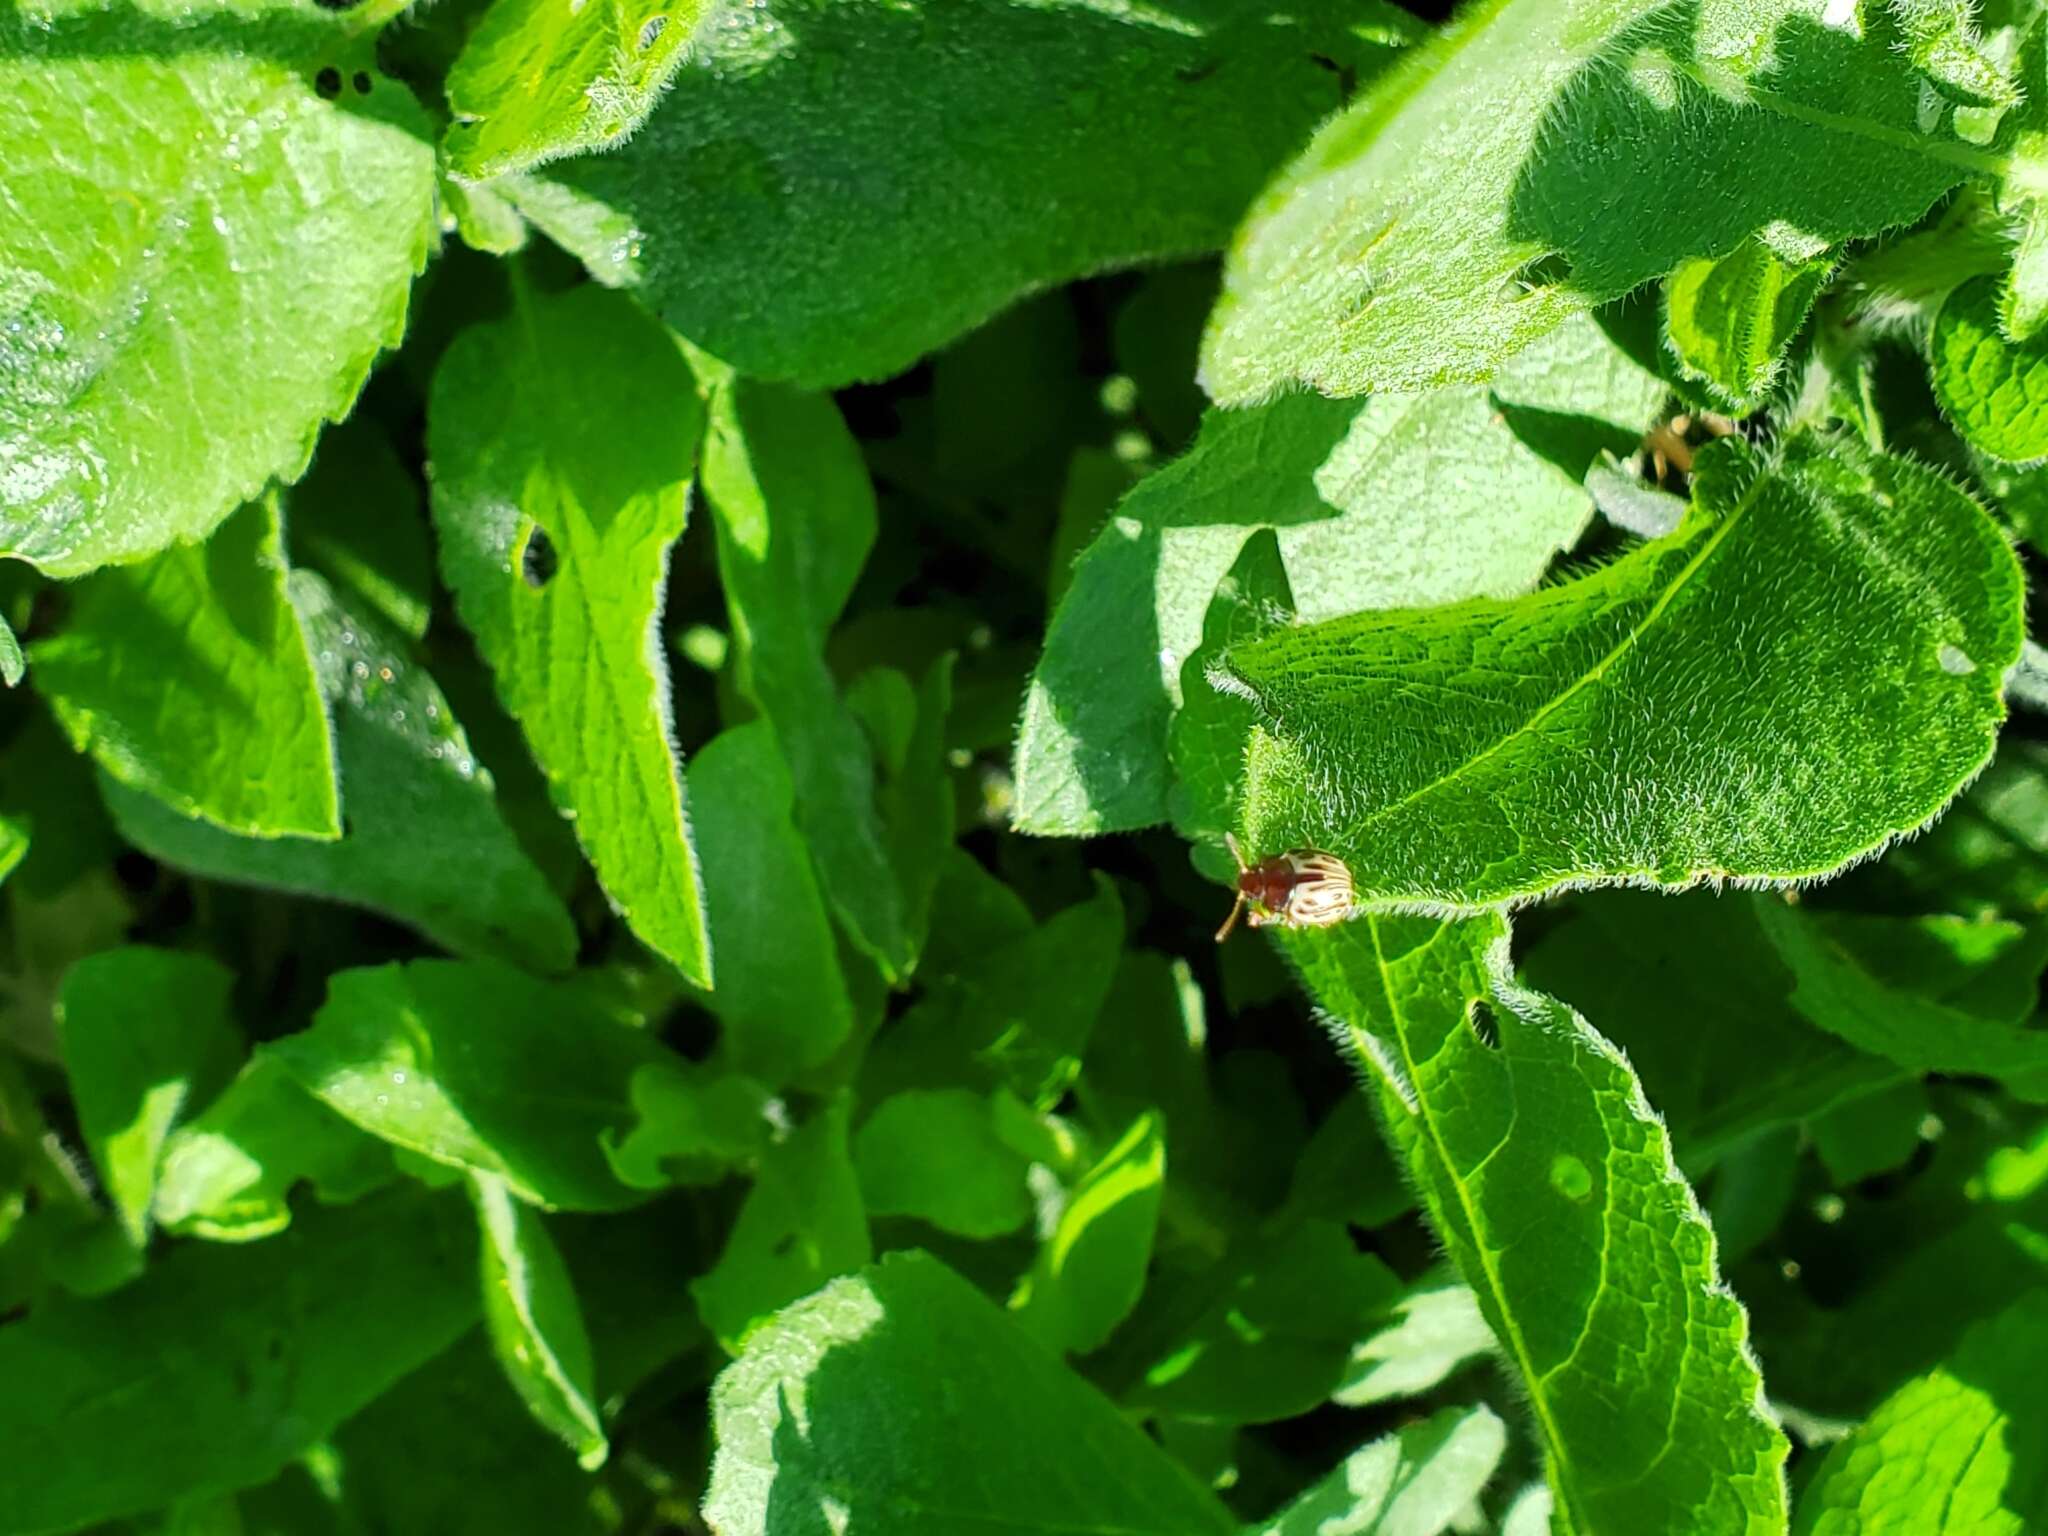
[
  {"x": 1560, "y": 1463},
  {"x": 1592, "y": 674}
]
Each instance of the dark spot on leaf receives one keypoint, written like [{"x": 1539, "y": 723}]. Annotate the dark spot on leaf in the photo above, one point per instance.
[
  {"x": 339, "y": 5},
  {"x": 328, "y": 83},
  {"x": 1194, "y": 73},
  {"x": 1347, "y": 77},
  {"x": 362, "y": 82},
  {"x": 1485, "y": 1027},
  {"x": 783, "y": 1244},
  {"x": 538, "y": 561},
  {"x": 650, "y": 30}
]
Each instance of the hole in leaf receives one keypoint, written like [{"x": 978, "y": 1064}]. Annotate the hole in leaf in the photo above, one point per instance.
[
  {"x": 338, "y": 5},
  {"x": 538, "y": 561},
  {"x": 328, "y": 83},
  {"x": 1552, "y": 270},
  {"x": 1955, "y": 661},
  {"x": 362, "y": 82},
  {"x": 1194, "y": 73},
  {"x": 650, "y": 30},
  {"x": 1485, "y": 1027}
]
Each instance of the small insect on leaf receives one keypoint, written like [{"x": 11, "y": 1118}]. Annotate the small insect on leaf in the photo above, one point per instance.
[{"x": 1301, "y": 888}]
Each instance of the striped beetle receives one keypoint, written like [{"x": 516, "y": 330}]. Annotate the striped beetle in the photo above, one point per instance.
[{"x": 1301, "y": 888}]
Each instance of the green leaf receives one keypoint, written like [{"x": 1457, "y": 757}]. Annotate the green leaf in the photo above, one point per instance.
[
  {"x": 1262, "y": 1335},
  {"x": 13, "y": 665},
  {"x": 359, "y": 519},
  {"x": 1518, "y": 171},
  {"x": 831, "y": 191},
  {"x": 204, "y": 257},
  {"x": 537, "y": 81},
  {"x": 1205, "y": 739},
  {"x": 696, "y": 1126},
  {"x": 781, "y": 995},
  {"x": 939, "y": 1155},
  {"x": 481, "y": 1068},
  {"x": 1695, "y": 994},
  {"x": 1397, "y": 503},
  {"x": 795, "y": 515},
  {"x": 227, "y": 1175},
  {"x": 492, "y": 1471},
  {"x": 802, "y": 1224},
  {"x": 424, "y": 842},
  {"x": 1954, "y": 1451},
  {"x": 1413, "y": 1483},
  {"x": 187, "y": 677},
  {"x": 1589, "y": 1256},
  {"x": 1016, "y": 1014},
  {"x": 221, "y": 1365},
  {"x": 1091, "y": 1264},
  {"x": 135, "y": 1064},
  {"x": 900, "y": 1400},
  {"x": 917, "y": 803},
  {"x": 1917, "y": 1032},
  {"x": 1994, "y": 390},
  {"x": 534, "y": 1323},
  {"x": 1871, "y": 1134},
  {"x": 1444, "y": 754},
  {"x": 1729, "y": 320},
  {"x": 562, "y": 441},
  {"x": 1437, "y": 1330}
]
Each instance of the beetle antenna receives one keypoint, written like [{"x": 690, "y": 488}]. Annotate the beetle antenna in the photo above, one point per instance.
[
  {"x": 1237, "y": 853},
  {"x": 1230, "y": 922}
]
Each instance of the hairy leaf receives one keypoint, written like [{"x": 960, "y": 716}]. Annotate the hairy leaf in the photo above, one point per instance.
[
  {"x": 831, "y": 191},
  {"x": 537, "y": 81},
  {"x": 1723, "y": 702},
  {"x": 424, "y": 841},
  {"x": 1395, "y": 504},
  {"x": 1519, "y": 170},
  {"x": 187, "y": 677},
  {"x": 562, "y": 442},
  {"x": 1588, "y": 1254},
  {"x": 1993, "y": 389},
  {"x": 900, "y": 1399},
  {"x": 1730, "y": 320},
  {"x": 201, "y": 258}
]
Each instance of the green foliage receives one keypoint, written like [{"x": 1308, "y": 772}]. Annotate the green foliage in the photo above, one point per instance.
[
  {"x": 1591, "y": 1260},
  {"x": 834, "y": 189},
  {"x": 203, "y": 255},
  {"x": 878, "y": 1398},
  {"x": 1526, "y": 166},
  {"x": 1448, "y": 755},
  {"x": 563, "y": 441},
  {"x": 425, "y": 1111},
  {"x": 1993, "y": 389},
  {"x": 235, "y": 671},
  {"x": 536, "y": 82}
]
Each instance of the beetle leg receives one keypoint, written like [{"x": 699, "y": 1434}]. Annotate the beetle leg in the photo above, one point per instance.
[{"x": 1230, "y": 922}]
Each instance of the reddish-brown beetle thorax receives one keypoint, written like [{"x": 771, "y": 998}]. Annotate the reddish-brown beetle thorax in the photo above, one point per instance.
[{"x": 1270, "y": 882}]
